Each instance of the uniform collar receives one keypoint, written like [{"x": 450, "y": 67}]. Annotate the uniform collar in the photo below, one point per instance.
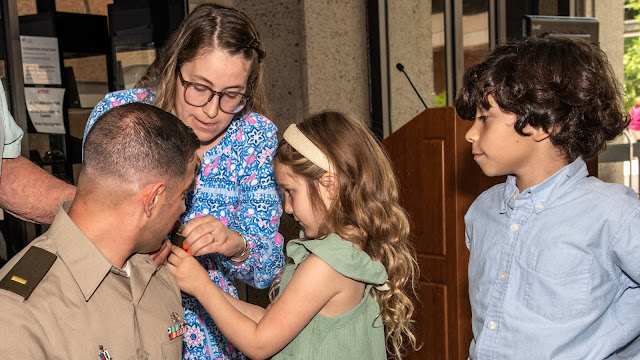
[
  {"x": 87, "y": 264},
  {"x": 545, "y": 193}
]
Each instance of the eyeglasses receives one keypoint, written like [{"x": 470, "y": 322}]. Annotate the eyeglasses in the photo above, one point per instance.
[{"x": 199, "y": 95}]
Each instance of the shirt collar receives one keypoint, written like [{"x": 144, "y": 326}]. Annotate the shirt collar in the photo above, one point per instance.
[
  {"x": 545, "y": 193},
  {"x": 86, "y": 263}
]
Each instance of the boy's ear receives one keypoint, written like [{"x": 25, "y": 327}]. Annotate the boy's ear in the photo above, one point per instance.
[
  {"x": 151, "y": 196},
  {"x": 329, "y": 181},
  {"x": 537, "y": 134}
]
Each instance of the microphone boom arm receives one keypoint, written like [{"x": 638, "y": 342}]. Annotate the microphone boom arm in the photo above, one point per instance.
[{"x": 400, "y": 67}]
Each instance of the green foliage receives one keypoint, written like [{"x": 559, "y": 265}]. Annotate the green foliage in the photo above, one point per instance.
[
  {"x": 440, "y": 100},
  {"x": 631, "y": 58}
]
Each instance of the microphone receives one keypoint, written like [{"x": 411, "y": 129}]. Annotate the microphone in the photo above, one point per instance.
[{"x": 400, "y": 67}]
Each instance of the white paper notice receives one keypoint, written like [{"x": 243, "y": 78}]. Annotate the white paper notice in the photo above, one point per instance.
[
  {"x": 40, "y": 60},
  {"x": 45, "y": 109}
]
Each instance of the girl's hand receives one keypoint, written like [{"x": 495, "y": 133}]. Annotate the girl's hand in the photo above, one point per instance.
[
  {"x": 189, "y": 274},
  {"x": 207, "y": 235}
]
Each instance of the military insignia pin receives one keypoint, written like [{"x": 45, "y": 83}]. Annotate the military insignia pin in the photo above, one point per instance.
[
  {"x": 178, "y": 329},
  {"x": 103, "y": 354}
]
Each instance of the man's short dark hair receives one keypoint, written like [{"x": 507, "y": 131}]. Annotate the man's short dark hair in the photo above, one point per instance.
[
  {"x": 565, "y": 86},
  {"x": 136, "y": 140}
]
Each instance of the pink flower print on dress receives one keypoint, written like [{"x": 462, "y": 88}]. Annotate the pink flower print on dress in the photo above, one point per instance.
[
  {"x": 224, "y": 220},
  {"x": 251, "y": 158},
  {"x": 279, "y": 239},
  {"x": 193, "y": 336},
  {"x": 250, "y": 179},
  {"x": 250, "y": 120},
  {"x": 239, "y": 134},
  {"x": 142, "y": 95},
  {"x": 207, "y": 169}
]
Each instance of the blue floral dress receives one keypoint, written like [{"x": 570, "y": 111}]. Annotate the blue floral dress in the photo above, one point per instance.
[{"x": 236, "y": 185}]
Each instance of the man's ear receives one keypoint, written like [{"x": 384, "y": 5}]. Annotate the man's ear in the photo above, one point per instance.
[
  {"x": 330, "y": 183},
  {"x": 151, "y": 196},
  {"x": 538, "y": 134}
]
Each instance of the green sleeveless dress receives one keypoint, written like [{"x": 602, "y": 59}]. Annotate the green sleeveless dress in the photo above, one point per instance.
[{"x": 356, "y": 334}]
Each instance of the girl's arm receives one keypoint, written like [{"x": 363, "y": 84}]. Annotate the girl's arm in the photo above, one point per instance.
[
  {"x": 260, "y": 334},
  {"x": 253, "y": 312}
]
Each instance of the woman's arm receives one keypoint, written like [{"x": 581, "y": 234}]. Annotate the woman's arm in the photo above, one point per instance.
[
  {"x": 259, "y": 208},
  {"x": 310, "y": 289}
]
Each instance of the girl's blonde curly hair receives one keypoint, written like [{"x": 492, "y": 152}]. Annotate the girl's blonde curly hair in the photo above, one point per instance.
[{"x": 366, "y": 210}]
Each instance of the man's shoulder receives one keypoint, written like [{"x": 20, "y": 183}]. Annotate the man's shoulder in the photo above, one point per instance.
[{"x": 20, "y": 277}]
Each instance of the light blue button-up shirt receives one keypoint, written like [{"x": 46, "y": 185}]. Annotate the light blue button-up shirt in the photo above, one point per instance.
[{"x": 554, "y": 270}]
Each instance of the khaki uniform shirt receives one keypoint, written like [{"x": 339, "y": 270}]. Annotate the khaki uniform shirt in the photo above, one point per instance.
[{"x": 84, "y": 302}]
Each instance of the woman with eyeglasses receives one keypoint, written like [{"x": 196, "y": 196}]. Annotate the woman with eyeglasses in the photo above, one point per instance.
[{"x": 209, "y": 74}]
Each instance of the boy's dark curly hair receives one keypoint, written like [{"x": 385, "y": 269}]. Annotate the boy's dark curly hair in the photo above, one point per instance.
[{"x": 565, "y": 86}]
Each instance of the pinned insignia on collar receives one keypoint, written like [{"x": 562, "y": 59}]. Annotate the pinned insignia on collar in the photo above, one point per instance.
[
  {"x": 103, "y": 353},
  {"x": 178, "y": 329},
  {"x": 175, "y": 317}
]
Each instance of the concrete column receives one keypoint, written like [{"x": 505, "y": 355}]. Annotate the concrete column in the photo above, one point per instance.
[
  {"x": 281, "y": 29},
  {"x": 316, "y": 56},
  {"x": 335, "y": 55},
  {"x": 410, "y": 43},
  {"x": 610, "y": 14}
]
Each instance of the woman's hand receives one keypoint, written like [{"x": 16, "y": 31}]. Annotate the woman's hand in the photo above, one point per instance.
[
  {"x": 207, "y": 235},
  {"x": 189, "y": 274}
]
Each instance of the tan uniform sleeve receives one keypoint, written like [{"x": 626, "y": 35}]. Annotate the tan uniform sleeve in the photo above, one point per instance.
[{"x": 21, "y": 334}]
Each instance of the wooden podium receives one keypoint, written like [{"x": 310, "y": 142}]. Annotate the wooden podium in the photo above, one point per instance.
[{"x": 438, "y": 181}]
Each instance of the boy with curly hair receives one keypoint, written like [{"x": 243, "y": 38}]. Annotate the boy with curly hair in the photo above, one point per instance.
[{"x": 554, "y": 266}]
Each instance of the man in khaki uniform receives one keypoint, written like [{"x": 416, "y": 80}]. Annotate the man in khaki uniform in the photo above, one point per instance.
[{"x": 86, "y": 288}]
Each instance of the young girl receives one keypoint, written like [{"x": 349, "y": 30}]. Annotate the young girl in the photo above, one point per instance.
[
  {"x": 344, "y": 296},
  {"x": 209, "y": 74}
]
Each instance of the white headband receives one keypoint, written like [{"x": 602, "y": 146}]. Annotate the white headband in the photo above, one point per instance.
[{"x": 304, "y": 146}]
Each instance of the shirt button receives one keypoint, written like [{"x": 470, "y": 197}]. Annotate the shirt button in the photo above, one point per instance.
[
  {"x": 540, "y": 206},
  {"x": 515, "y": 196},
  {"x": 492, "y": 325},
  {"x": 515, "y": 227},
  {"x": 502, "y": 276}
]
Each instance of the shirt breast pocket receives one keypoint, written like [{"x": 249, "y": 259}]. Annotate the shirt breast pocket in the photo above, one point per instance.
[
  {"x": 558, "y": 282},
  {"x": 172, "y": 350}
]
